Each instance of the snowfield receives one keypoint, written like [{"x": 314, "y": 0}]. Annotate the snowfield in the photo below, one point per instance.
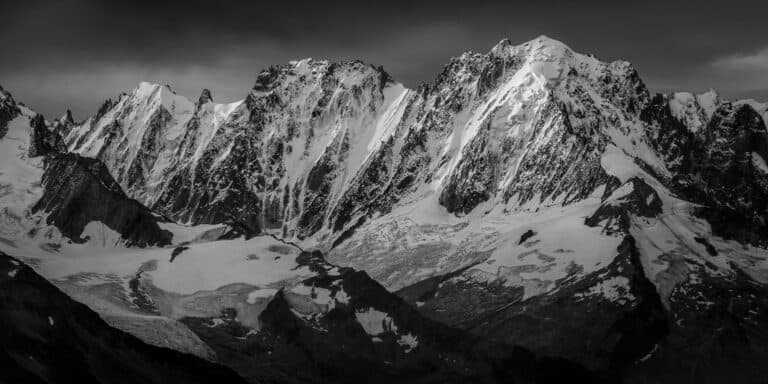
[{"x": 259, "y": 262}]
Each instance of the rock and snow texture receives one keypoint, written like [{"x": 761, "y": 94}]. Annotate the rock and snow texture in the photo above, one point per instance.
[
  {"x": 48, "y": 196},
  {"x": 694, "y": 110},
  {"x": 329, "y": 154},
  {"x": 529, "y": 175},
  {"x": 317, "y": 146},
  {"x": 281, "y": 155}
]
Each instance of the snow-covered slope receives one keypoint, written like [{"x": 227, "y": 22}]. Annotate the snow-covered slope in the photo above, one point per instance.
[{"x": 20, "y": 170}]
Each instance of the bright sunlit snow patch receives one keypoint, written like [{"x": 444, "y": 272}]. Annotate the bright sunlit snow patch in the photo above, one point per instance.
[
  {"x": 100, "y": 235},
  {"x": 408, "y": 341},
  {"x": 759, "y": 163},
  {"x": 375, "y": 322}
]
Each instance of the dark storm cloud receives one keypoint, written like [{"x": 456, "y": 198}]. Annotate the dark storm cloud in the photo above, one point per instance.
[{"x": 61, "y": 54}]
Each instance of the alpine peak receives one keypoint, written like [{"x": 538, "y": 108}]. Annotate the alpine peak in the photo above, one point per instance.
[{"x": 205, "y": 97}]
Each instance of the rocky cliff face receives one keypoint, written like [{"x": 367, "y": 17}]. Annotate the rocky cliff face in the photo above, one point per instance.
[
  {"x": 8, "y": 111},
  {"x": 718, "y": 162},
  {"x": 43, "y": 141},
  {"x": 43, "y": 184},
  {"x": 279, "y": 156},
  {"x": 79, "y": 190},
  {"x": 317, "y": 147}
]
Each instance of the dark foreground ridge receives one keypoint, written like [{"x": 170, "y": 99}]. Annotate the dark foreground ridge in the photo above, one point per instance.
[
  {"x": 49, "y": 338},
  {"x": 333, "y": 347}
]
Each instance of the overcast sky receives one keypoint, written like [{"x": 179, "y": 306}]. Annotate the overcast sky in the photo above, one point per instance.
[{"x": 74, "y": 54}]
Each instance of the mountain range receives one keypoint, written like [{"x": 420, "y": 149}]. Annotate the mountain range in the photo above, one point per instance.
[{"x": 533, "y": 214}]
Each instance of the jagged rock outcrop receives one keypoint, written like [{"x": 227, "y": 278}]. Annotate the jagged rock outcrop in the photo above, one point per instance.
[
  {"x": 205, "y": 98},
  {"x": 64, "y": 124},
  {"x": 79, "y": 190},
  {"x": 38, "y": 177},
  {"x": 44, "y": 141},
  {"x": 733, "y": 181},
  {"x": 8, "y": 111},
  {"x": 632, "y": 199},
  {"x": 720, "y": 164}
]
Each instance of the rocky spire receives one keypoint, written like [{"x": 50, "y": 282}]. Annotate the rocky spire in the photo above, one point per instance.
[
  {"x": 205, "y": 98},
  {"x": 8, "y": 111},
  {"x": 105, "y": 107},
  {"x": 67, "y": 118},
  {"x": 42, "y": 140}
]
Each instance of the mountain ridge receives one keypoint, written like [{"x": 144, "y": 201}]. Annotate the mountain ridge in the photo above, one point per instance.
[{"x": 531, "y": 182}]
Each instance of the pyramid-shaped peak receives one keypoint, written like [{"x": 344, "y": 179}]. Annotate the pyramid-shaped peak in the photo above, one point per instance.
[
  {"x": 162, "y": 95},
  {"x": 67, "y": 117}
]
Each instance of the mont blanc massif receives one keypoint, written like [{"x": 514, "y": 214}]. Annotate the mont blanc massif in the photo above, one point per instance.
[{"x": 532, "y": 215}]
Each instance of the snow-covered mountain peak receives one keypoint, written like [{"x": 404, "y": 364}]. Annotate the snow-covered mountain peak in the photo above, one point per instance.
[
  {"x": 505, "y": 45},
  {"x": 157, "y": 94},
  {"x": 542, "y": 63}
]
